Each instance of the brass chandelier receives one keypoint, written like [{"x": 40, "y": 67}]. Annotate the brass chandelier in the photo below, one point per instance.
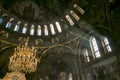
[{"x": 23, "y": 59}]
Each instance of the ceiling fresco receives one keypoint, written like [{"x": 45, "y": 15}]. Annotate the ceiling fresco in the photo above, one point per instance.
[
  {"x": 61, "y": 15},
  {"x": 62, "y": 24},
  {"x": 70, "y": 20}
]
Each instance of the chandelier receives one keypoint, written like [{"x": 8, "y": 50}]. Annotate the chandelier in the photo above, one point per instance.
[{"x": 23, "y": 59}]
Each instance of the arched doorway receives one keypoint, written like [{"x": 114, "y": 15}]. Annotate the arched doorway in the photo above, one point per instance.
[{"x": 56, "y": 64}]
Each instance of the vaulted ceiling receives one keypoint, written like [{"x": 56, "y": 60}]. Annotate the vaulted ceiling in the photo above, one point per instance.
[
  {"x": 41, "y": 15},
  {"x": 90, "y": 15},
  {"x": 45, "y": 14}
]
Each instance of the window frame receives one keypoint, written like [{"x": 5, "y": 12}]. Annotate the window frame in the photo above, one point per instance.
[
  {"x": 106, "y": 44},
  {"x": 86, "y": 55},
  {"x": 32, "y": 30},
  {"x": 94, "y": 47}
]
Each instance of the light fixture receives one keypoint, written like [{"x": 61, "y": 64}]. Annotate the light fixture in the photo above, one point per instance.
[{"x": 23, "y": 59}]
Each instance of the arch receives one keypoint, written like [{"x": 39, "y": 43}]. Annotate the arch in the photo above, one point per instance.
[
  {"x": 53, "y": 58},
  {"x": 6, "y": 48},
  {"x": 43, "y": 53},
  {"x": 103, "y": 30}
]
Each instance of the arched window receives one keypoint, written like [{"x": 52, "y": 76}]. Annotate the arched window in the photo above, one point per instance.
[
  {"x": 32, "y": 30},
  {"x": 78, "y": 8},
  {"x": 58, "y": 27},
  {"x": 86, "y": 55},
  {"x": 9, "y": 23},
  {"x": 2, "y": 18},
  {"x": 69, "y": 20},
  {"x": 106, "y": 44},
  {"x": 52, "y": 29},
  {"x": 39, "y": 30},
  {"x": 45, "y": 30},
  {"x": 17, "y": 26},
  {"x": 94, "y": 48},
  {"x": 24, "y": 30},
  {"x": 74, "y": 15}
]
